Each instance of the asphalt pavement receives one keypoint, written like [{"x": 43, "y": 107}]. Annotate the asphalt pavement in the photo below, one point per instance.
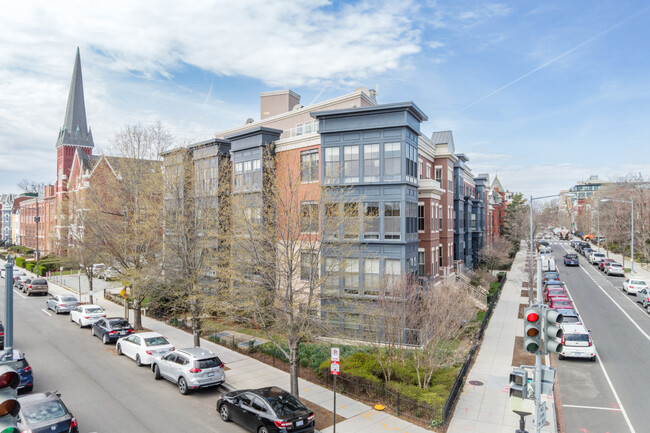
[{"x": 611, "y": 395}]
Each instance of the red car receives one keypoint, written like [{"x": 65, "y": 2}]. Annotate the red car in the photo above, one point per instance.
[
  {"x": 554, "y": 292},
  {"x": 559, "y": 302},
  {"x": 603, "y": 262}
]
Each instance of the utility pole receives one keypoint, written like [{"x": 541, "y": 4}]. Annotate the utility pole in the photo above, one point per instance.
[
  {"x": 9, "y": 307},
  {"x": 37, "y": 219},
  {"x": 538, "y": 355}
]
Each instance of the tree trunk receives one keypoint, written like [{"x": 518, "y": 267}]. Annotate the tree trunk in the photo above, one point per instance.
[
  {"x": 137, "y": 318},
  {"x": 294, "y": 364},
  {"x": 196, "y": 331},
  {"x": 90, "y": 275}
]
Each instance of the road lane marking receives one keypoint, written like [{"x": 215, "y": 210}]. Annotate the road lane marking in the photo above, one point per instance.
[
  {"x": 602, "y": 367},
  {"x": 46, "y": 312},
  {"x": 591, "y": 407},
  {"x": 19, "y": 294}
]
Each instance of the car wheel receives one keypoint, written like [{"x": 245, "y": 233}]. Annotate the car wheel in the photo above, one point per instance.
[
  {"x": 224, "y": 413},
  {"x": 80, "y": 323},
  {"x": 92, "y": 331},
  {"x": 156, "y": 372},
  {"x": 263, "y": 430},
  {"x": 56, "y": 310},
  {"x": 137, "y": 361},
  {"x": 593, "y": 359},
  {"x": 29, "y": 388},
  {"x": 71, "y": 318},
  {"x": 560, "y": 357},
  {"x": 105, "y": 339},
  {"x": 182, "y": 386},
  {"x": 119, "y": 349}
]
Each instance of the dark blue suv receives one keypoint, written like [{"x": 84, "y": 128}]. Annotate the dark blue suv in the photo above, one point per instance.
[{"x": 23, "y": 368}]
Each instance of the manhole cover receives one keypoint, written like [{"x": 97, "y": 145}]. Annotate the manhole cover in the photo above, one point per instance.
[{"x": 475, "y": 382}]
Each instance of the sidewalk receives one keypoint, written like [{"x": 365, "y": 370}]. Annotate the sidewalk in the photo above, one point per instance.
[
  {"x": 245, "y": 372},
  {"x": 484, "y": 406}
]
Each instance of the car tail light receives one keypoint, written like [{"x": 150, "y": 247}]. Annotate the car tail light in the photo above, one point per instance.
[
  {"x": 86, "y": 317},
  {"x": 27, "y": 369},
  {"x": 61, "y": 305},
  {"x": 112, "y": 332},
  {"x": 591, "y": 343},
  {"x": 149, "y": 352},
  {"x": 2, "y": 333},
  {"x": 222, "y": 365},
  {"x": 195, "y": 370},
  {"x": 172, "y": 349},
  {"x": 73, "y": 423},
  {"x": 283, "y": 424},
  {"x": 30, "y": 286},
  {"x": 104, "y": 315},
  {"x": 311, "y": 417},
  {"x": 562, "y": 341}
]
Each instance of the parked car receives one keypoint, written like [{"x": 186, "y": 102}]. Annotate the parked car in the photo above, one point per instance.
[
  {"x": 632, "y": 286},
  {"x": 595, "y": 258},
  {"x": 553, "y": 275},
  {"x": 570, "y": 317},
  {"x": 615, "y": 269},
  {"x": 3, "y": 270},
  {"x": 560, "y": 303},
  {"x": 603, "y": 263},
  {"x": 62, "y": 303},
  {"x": 643, "y": 297},
  {"x": 571, "y": 260},
  {"x": 585, "y": 251},
  {"x": 86, "y": 315},
  {"x": 19, "y": 280},
  {"x": 23, "y": 369},
  {"x": 2, "y": 336},
  {"x": 110, "y": 329},
  {"x": 45, "y": 412},
  {"x": 143, "y": 347},
  {"x": 548, "y": 283},
  {"x": 190, "y": 369},
  {"x": 577, "y": 343},
  {"x": 33, "y": 286},
  {"x": 108, "y": 273},
  {"x": 554, "y": 293},
  {"x": 266, "y": 410}
]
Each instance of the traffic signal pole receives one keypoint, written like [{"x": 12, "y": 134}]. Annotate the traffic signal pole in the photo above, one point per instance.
[
  {"x": 9, "y": 306},
  {"x": 538, "y": 355}
]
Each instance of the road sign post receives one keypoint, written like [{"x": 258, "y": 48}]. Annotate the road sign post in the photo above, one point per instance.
[
  {"x": 334, "y": 370},
  {"x": 9, "y": 305}
]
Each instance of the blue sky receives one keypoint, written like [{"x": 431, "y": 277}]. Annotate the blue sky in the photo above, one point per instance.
[{"x": 543, "y": 93}]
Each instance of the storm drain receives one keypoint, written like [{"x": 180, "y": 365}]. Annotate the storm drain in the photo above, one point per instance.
[{"x": 475, "y": 382}]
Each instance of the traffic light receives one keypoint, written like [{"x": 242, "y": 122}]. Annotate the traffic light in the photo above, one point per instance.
[
  {"x": 552, "y": 332},
  {"x": 9, "y": 406},
  {"x": 533, "y": 329},
  {"x": 519, "y": 383}
]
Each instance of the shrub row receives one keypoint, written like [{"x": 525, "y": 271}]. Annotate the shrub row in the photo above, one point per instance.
[{"x": 20, "y": 250}]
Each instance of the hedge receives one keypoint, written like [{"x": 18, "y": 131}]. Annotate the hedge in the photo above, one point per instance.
[
  {"x": 42, "y": 271},
  {"x": 20, "y": 262},
  {"x": 20, "y": 250},
  {"x": 30, "y": 266}
]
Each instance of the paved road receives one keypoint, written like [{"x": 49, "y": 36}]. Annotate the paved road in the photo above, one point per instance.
[
  {"x": 611, "y": 395},
  {"x": 107, "y": 393}
]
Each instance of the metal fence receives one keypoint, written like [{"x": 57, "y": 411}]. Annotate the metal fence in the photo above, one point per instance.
[{"x": 460, "y": 378}]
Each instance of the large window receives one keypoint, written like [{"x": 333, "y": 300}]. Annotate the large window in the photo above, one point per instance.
[
  {"x": 308, "y": 265},
  {"x": 371, "y": 220},
  {"x": 309, "y": 217},
  {"x": 351, "y": 164},
  {"x": 392, "y": 270},
  {"x": 421, "y": 217},
  {"x": 371, "y": 276},
  {"x": 438, "y": 174},
  {"x": 351, "y": 276},
  {"x": 332, "y": 271},
  {"x": 392, "y": 226},
  {"x": 309, "y": 166},
  {"x": 421, "y": 267},
  {"x": 428, "y": 171},
  {"x": 440, "y": 218},
  {"x": 247, "y": 175},
  {"x": 332, "y": 223},
  {"x": 411, "y": 163},
  {"x": 351, "y": 220},
  {"x": 392, "y": 162},
  {"x": 371, "y": 163},
  {"x": 432, "y": 221},
  {"x": 332, "y": 165}
]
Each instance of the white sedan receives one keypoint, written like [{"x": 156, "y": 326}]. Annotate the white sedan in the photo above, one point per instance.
[
  {"x": 143, "y": 347},
  {"x": 632, "y": 286},
  {"x": 86, "y": 315}
]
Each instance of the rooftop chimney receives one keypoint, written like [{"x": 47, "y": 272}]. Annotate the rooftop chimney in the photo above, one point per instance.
[{"x": 277, "y": 102}]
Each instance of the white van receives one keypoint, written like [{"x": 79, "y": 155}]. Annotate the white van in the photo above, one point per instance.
[
  {"x": 548, "y": 264},
  {"x": 576, "y": 342}
]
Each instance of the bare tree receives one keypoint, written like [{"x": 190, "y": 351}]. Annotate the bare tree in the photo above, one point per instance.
[
  {"x": 31, "y": 186},
  {"x": 496, "y": 253}
]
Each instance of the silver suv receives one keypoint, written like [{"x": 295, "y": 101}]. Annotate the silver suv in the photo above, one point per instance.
[{"x": 190, "y": 369}]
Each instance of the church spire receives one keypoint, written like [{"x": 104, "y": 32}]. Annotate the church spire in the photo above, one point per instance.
[{"x": 75, "y": 130}]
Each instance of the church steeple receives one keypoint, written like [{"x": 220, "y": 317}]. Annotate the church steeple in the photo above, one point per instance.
[{"x": 75, "y": 130}]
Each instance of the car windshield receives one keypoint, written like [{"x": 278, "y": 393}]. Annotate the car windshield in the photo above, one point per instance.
[
  {"x": 285, "y": 405},
  {"x": 68, "y": 299},
  {"x": 599, "y": 255},
  {"x": 570, "y": 319},
  {"x": 639, "y": 282},
  {"x": 556, "y": 292},
  {"x": 155, "y": 341},
  {"x": 43, "y": 412},
  {"x": 118, "y": 323},
  {"x": 94, "y": 310},
  {"x": 571, "y": 256},
  {"x": 615, "y": 265},
  {"x": 39, "y": 281},
  {"x": 209, "y": 363},
  {"x": 561, "y": 304}
]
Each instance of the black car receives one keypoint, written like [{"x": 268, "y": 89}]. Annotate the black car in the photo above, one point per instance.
[
  {"x": 111, "y": 329},
  {"x": 571, "y": 260},
  {"x": 45, "y": 412},
  {"x": 266, "y": 410}
]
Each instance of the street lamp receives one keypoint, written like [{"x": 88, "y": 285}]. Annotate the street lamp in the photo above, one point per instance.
[{"x": 632, "y": 225}]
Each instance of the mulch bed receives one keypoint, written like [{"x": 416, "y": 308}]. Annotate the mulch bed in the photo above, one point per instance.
[
  {"x": 521, "y": 311},
  {"x": 524, "y": 293}
]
